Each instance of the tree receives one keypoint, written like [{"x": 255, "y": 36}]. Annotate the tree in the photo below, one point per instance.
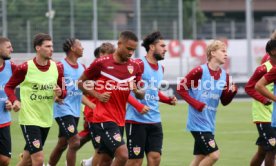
[{"x": 34, "y": 11}]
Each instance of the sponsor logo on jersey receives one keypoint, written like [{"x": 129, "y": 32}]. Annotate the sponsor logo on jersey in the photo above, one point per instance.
[
  {"x": 272, "y": 141},
  {"x": 37, "y": 87},
  {"x": 212, "y": 143},
  {"x": 35, "y": 96},
  {"x": 36, "y": 143},
  {"x": 117, "y": 137},
  {"x": 136, "y": 150},
  {"x": 71, "y": 128}
]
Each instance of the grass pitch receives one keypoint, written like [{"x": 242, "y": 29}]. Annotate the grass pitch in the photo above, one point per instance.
[{"x": 235, "y": 136}]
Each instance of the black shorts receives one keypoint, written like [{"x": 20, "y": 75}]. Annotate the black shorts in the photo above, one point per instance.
[
  {"x": 67, "y": 126},
  {"x": 95, "y": 138},
  {"x": 5, "y": 141},
  {"x": 266, "y": 137},
  {"x": 204, "y": 143},
  {"x": 111, "y": 137},
  {"x": 35, "y": 137},
  {"x": 143, "y": 138}
]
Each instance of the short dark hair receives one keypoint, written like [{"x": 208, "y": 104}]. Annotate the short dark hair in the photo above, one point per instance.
[
  {"x": 128, "y": 35},
  {"x": 107, "y": 48},
  {"x": 40, "y": 38},
  {"x": 68, "y": 44},
  {"x": 152, "y": 38},
  {"x": 97, "y": 52},
  {"x": 270, "y": 45},
  {"x": 4, "y": 39}
]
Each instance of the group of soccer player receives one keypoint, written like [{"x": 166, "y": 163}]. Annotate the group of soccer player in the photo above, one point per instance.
[
  {"x": 261, "y": 87},
  {"x": 119, "y": 91}
]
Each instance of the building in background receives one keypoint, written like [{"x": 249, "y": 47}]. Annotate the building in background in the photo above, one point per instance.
[{"x": 227, "y": 18}]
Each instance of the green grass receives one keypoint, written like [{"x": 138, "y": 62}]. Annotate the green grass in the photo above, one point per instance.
[{"x": 235, "y": 136}]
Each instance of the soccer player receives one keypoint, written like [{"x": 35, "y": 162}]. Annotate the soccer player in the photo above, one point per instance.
[
  {"x": 115, "y": 76},
  {"x": 203, "y": 87},
  {"x": 103, "y": 50},
  {"x": 40, "y": 80},
  {"x": 67, "y": 112},
  {"x": 144, "y": 131},
  {"x": 261, "y": 112},
  {"x": 6, "y": 69},
  {"x": 264, "y": 81},
  {"x": 267, "y": 56}
]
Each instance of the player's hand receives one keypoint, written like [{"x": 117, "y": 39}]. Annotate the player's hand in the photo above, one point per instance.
[
  {"x": 145, "y": 110},
  {"x": 104, "y": 97},
  {"x": 201, "y": 106},
  {"x": 268, "y": 102},
  {"x": 91, "y": 105},
  {"x": 8, "y": 105},
  {"x": 57, "y": 91},
  {"x": 58, "y": 100},
  {"x": 16, "y": 105},
  {"x": 89, "y": 84},
  {"x": 233, "y": 88},
  {"x": 133, "y": 86},
  {"x": 173, "y": 100}
]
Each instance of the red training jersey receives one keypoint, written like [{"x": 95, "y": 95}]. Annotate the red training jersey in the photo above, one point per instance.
[
  {"x": 250, "y": 86},
  {"x": 110, "y": 76}
]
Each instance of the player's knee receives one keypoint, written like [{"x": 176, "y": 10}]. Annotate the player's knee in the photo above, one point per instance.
[
  {"x": 215, "y": 156},
  {"x": 62, "y": 147},
  {"x": 5, "y": 161},
  {"x": 74, "y": 145},
  {"x": 38, "y": 160},
  {"x": 122, "y": 155},
  {"x": 155, "y": 157},
  {"x": 62, "y": 144}
]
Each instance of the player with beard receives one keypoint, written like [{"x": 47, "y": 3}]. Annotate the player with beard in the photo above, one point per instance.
[
  {"x": 144, "y": 131},
  {"x": 40, "y": 80},
  {"x": 6, "y": 69}
]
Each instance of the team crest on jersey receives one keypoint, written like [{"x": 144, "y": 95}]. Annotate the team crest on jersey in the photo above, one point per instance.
[
  {"x": 272, "y": 141},
  {"x": 98, "y": 139},
  {"x": 36, "y": 143},
  {"x": 117, "y": 137},
  {"x": 212, "y": 143},
  {"x": 130, "y": 69},
  {"x": 71, "y": 129},
  {"x": 136, "y": 150}
]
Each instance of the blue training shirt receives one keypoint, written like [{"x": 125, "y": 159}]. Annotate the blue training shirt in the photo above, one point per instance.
[
  {"x": 5, "y": 75},
  {"x": 152, "y": 81},
  {"x": 72, "y": 102},
  {"x": 208, "y": 91}
]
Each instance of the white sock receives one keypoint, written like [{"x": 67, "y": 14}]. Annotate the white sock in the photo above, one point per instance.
[
  {"x": 88, "y": 162},
  {"x": 263, "y": 163}
]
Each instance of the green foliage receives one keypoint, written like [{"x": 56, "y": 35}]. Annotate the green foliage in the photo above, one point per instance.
[
  {"x": 165, "y": 14},
  {"x": 155, "y": 15},
  {"x": 34, "y": 11},
  {"x": 188, "y": 19}
]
